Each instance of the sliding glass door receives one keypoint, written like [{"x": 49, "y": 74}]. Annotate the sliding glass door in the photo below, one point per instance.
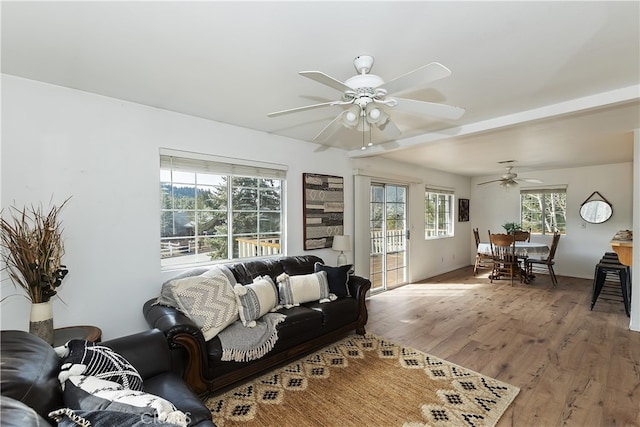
[{"x": 388, "y": 236}]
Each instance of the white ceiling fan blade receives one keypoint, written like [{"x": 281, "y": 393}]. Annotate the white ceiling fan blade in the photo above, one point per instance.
[
  {"x": 531, "y": 180},
  {"x": 331, "y": 128},
  {"x": 489, "y": 182},
  {"x": 425, "y": 108},
  {"x": 308, "y": 107},
  {"x": 390, "y": 130},
  {"x": 325, "y": 79},
  {"x": 417, "y": 78}
]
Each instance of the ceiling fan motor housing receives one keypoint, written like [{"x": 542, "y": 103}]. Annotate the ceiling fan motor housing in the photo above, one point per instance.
[{"x": 363, "y": 63}]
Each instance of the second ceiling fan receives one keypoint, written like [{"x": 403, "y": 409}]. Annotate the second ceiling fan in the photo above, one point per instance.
[
  {"x": 510, "y": 179},
  {"x": 365, "y": 102}
]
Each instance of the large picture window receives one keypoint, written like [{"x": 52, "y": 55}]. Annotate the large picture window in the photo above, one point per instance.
[
  {"x": 211, "y": 210},
  {"x": 544, "y": 210},
  {"x": 438, "y": 213}
]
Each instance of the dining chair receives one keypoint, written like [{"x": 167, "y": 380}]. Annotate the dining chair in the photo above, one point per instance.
[
  {"x": 505, "y": 262},
  {"x": 483, "y": 260},
  {"x": 523, "y": 236},
  {"x": 548, "y": 261}
]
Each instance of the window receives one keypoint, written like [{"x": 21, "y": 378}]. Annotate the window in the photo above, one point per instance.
[
  {"x": 544, "y": 210},
  {"x": 211, "y": 210},
  {"x": 438, "y": 213}
]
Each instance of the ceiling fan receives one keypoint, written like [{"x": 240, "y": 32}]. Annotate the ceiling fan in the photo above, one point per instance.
[
  {"x": 510, "y": 179},
  {"x": 365, "y": 102}
]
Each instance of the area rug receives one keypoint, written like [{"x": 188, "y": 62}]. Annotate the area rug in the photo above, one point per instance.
[{"x": 365, "y": 381}]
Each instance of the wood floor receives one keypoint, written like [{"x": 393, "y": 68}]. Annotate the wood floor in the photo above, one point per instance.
[{"x": 575, "y": 367}]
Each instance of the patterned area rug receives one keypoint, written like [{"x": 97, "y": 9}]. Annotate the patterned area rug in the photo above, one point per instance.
[{"x": 362, "y": 381}]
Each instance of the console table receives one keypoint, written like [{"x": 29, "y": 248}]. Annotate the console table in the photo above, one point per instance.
[{"x": 83, "y": 332}]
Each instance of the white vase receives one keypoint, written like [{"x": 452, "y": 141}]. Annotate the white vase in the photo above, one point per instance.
[{"x": 41, "y": 321}]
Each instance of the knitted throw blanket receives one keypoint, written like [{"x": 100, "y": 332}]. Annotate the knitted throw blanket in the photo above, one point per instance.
[{"x": 242, "y": 344}]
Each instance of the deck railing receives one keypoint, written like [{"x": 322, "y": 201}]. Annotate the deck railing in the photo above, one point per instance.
[
  {"x": 395, "y": 241},
  {"x": 248, "y": 248}
]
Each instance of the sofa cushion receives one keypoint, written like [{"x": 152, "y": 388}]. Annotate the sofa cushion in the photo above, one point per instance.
[
  {"x": 246, "y": 272},
  {"x": 87, "y": 358},
  {"x": 297, "y": 265},
  {"x": 29, "y": 371},
  {"x": 295, "y": 290},
  {"x": 91, "y": 394},
  {"x": 256, "y": 300},
  {"x": 207, "y": 299},
  {"x": 336, "y": 314},
  {"x": 338, "y": 278}
]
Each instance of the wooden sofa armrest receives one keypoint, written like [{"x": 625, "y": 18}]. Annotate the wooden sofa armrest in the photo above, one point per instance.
[
  {"x": 181, "y": 332},
  {"x": 358, "y": 287}
]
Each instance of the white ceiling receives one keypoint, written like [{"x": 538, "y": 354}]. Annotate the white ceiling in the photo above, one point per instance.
[{"x": 548, "y": 84}]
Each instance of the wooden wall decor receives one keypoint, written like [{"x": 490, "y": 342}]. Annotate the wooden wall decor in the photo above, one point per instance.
[{"x": 323, "y": 209}]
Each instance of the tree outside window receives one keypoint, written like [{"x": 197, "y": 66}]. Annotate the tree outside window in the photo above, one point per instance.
[
  {"x": 438, "y": 213},
  {"x": 544, "y": 210},
  {"x": 208, "y": 216}
]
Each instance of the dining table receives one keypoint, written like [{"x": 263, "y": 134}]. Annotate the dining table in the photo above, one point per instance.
[{"x": 522, "y": 250}]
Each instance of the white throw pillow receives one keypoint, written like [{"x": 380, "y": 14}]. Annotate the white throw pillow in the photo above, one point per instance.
[
  {"x": 295, "y": 290},
  {"x": 256, "y": 300}
]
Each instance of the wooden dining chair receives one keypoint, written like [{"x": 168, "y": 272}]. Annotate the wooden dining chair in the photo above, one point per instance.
[
  {"x": 505, "y": 262},
  {"x": 483, "y": 260},
  {"x": 522, "y": 236},
  {"x": 548, "y": 261}
]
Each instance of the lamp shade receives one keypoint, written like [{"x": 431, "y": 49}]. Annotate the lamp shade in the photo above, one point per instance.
[{"x": 341, "y": 243}]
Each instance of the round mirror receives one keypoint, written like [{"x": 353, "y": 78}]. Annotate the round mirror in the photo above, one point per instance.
[{"x": 596, "y": 211}]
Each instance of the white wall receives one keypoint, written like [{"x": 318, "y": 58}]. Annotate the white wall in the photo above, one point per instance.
[
  {"x": 105, "y": 154},
  {"x": 584, "y": 244}
]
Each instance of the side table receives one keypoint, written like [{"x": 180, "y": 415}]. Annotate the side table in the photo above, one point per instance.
[{"x": 84, "y": 332}]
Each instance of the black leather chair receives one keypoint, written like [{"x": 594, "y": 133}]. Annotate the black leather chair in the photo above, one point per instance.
[{"x": 29, "y": 377}]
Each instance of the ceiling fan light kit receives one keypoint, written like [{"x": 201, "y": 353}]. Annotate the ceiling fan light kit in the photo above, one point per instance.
[{"x": 364, "y": 97}]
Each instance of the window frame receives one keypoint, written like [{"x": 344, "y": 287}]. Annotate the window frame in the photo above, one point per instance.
[
  {"x": 440, "y": 193},
  {"x": 232, "y": 176},
  {"x": 543, "y": 226}
]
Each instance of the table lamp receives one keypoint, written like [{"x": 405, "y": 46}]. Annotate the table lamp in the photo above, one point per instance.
[{"x": 341, "y": 243}]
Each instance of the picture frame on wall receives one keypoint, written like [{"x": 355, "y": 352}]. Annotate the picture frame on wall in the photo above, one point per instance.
[
  {"x": 463, "y": 210},
  {"x": 323, "y": 209}
]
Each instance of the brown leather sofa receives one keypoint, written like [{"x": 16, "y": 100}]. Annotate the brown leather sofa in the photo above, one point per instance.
[
  {"x": 307, "y": 327},
  {"x": 29, "y": 377}
]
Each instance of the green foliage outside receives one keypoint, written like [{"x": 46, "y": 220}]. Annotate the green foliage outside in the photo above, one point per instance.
[{"x": 199, "y": 218}]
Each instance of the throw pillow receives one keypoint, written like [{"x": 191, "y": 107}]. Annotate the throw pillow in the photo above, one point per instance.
[
  {"x": 207, "y": 299},
  {"x": 295, "y": 290},
  {"x": 67, "y": 417},
  {"x": 89, "y": 393},
  {"x": 256, "y": 300},
  {"x": 87, "y": 358},
  {"x": 338, "y": 278}
]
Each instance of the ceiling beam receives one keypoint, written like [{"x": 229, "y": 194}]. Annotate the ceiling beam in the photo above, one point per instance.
[{"x": 600, "y": 100}]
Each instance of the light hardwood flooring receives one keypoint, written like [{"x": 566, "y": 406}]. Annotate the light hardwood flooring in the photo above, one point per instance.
[{"x": 574, "y": 367}]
